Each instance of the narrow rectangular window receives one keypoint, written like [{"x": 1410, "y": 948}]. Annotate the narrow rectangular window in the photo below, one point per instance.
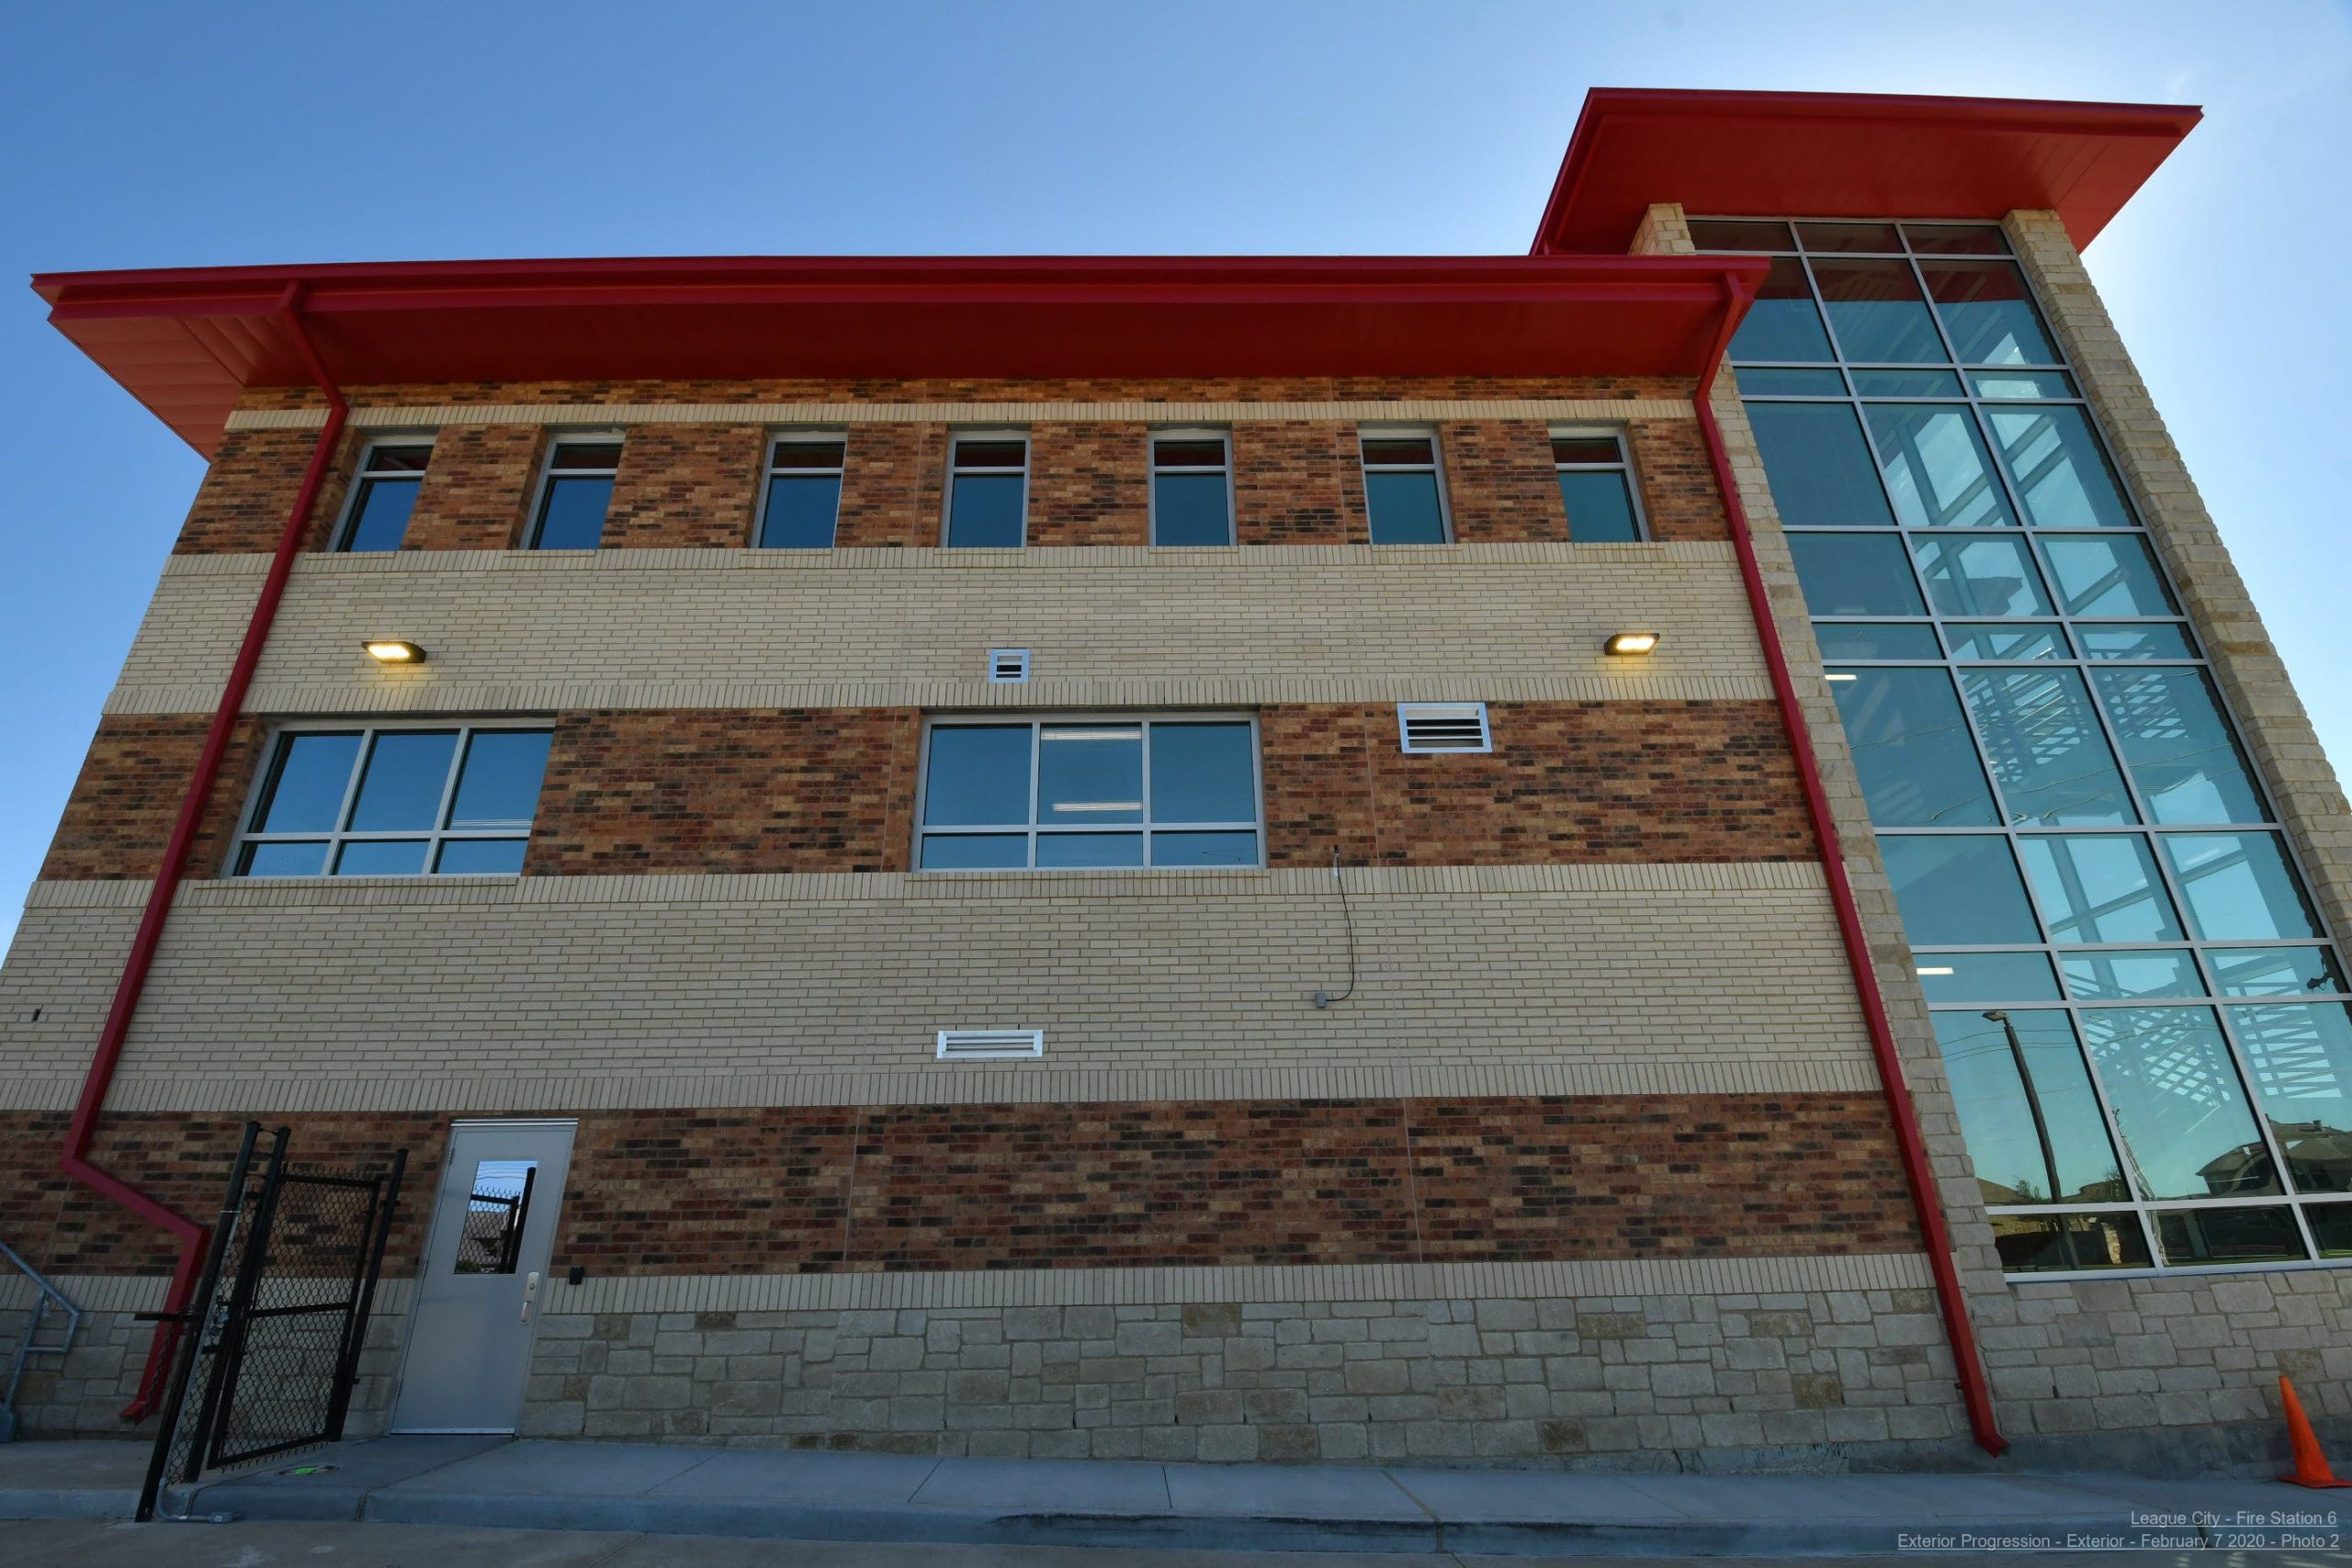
[
  {"x": 382, "y": 496},
  {"x": 1191, "y": 487},
  {"x": 1089, "y": 794},
  {"x": 803, "y": 502},
  {"x": 1596, "y": 487},
  {"x": 574, "y": 495},
  {"x": 1403, "y": 488},
  {"x": 396, "y": 800},
  {"x": 988, "y": 492}
]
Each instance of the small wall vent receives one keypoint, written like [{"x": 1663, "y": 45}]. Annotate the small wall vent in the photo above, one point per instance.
[
  {"x": 1443, "y": 726},
  {"x": 1008, "y": 664},
  {"x": 990, "y": 1045}
]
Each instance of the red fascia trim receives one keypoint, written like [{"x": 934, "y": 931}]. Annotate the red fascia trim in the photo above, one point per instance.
[
  {"x": 74, "y": 1159},
  {"x": 1975, "y": 1393}
]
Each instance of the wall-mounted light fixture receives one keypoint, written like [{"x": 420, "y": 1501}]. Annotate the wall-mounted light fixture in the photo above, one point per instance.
[
  {"x": 1627, "y": 645},
  {"x": 391, "y": 650}
]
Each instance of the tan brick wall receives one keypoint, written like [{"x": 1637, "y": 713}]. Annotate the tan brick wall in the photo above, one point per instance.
[
  {"x": 689, "y": 487},
  {"x": 478, "y": 488}
]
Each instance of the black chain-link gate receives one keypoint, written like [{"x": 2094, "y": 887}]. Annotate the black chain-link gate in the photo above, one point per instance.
[{"x": 270, "y": 1343}]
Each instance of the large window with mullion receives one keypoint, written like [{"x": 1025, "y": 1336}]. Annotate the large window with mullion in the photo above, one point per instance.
[
  {"x": 396, "y": 800},
  {"x": 1090, "y": 793}
]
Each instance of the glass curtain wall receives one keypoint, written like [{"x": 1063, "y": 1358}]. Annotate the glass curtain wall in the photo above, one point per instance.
[{"x": 2144, "y": 1024}]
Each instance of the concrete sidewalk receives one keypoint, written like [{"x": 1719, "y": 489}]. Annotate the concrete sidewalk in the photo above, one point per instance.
[{"x": 775, "y": 1494}]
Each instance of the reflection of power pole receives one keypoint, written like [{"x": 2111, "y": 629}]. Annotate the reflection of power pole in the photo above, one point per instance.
[{"x": 2041, "y": 1126}]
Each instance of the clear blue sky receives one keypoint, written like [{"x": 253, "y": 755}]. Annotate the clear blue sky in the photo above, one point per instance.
[{"x": 163, "y": 136}]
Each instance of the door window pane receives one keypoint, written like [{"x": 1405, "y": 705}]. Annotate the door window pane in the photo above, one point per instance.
[
  {"x": 500, "y": 785},
  {"x": 1818, "y": 466},
  {"x": 1958, "y": 890},
  {"x": 2178, "y": 746},
  {"x": 1404, "y": 508},
  {"x": 2273, "y": 971},
  {"x": 2113, "y": 576},
  {"x": 2058, "y": 467},
  {"x": 1972, "y": 575},
  {"x": 2099, "y": 887},
  {"x": 2239, "y": 886},
  {"x": 1784, "y": 323},
  {"x": 1980, "y": 643},
  {"x": 2131, "y": 976},
  {"x": 1876, "y": 312},
  {"x": 2176, "y": 1099},
  {"x": 979, "y": 775},
  {"x": 306, "y": 793},
  {"x": 2301, "y": 1059},
  {"x": 1912, "y": 749},
  {"x": 406, "y": 772},
  {"x": 1599, "y": 507},
  {"x": 498, "y": 1206},
  {"x": 2027, "y": 1112},
  {"x": 1986, "y": 977},
  {"x": 1855, "y": 574},
  {"x": 2045, "y": 747},
  {"x": 2192, "y": 1237},
  {"x": 1842, "y": 640},
  {"x": 1987, "y": 314},
  {"x": 1935, "y": 466},
  {"x": 1089, "y": 774},
  {"x": 2042, "y": 1244},
  {"x": 1202, "y": 772}
]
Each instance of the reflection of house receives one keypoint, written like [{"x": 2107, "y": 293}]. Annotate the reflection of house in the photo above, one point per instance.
[
  {"x": 2084, "y": 1241},
  {"x": 2318, "y": 1156}
]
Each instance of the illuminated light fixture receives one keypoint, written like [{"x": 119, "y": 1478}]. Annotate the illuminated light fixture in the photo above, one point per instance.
[
  {"x": 1626, "y": 645},
  {"x": 391, "y": 650},
  {"x": 1933, "y": 969}
]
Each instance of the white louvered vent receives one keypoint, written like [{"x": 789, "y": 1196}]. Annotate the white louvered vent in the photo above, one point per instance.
[
  {"x": 1443, "y": 726},
  {"x": 990, "y": 1045},
  {"x": 1008, "y": 664}
]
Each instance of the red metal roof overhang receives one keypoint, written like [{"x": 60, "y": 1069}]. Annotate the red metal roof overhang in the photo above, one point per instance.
[
  {"x": 186, "y": 343},
  {"x": 1848, "y": 156}
]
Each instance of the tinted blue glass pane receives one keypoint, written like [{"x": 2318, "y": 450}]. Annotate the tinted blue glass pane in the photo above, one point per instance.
[
  {"x": 1855, "y": 574},
  {"x": 2273, "y": 971},
  {"x": 2058, "y": 467},
  {"x": 800, "y": 512},
  {"x": 1200, "y": 772},
  {"x": 1205, "y": 848},
  {"x": 500, "y": 785},
  {"x": 1818, "y": 466},
  {"x": 314, "y": 770},
  {"x": 405, "y": 775},
  {"x": 1875, "y": 309},
  {"x": 284, "y": 860},
  {"x": 1980, "y": 575},
  {"x": 974, "y": 852},
  {"x": 481, "y": 857},
  {"x": 399, "y": 857},
  {"x": 2110, "y": 576},
  {"x": 985, "y": 512},
  {"x": 2301, "y": 1060},
  {"x": 2178, "y": 746},
  {"x": 1861, "y": 640},
  {"x": 1782, "y": 324},
  {"x": 2099, "y": 887},
  {"x": 1986, "y": 312},
  {"x": 1935, "y": 466},
  {"x": 1985, "y": 977},
  {"x": 1911, "y": 746},
  {"x": 2131, "y": 976},
  {"x": 380, "y": 515},
  {"x": 2134, "y": 642},
  {"x": 1405, "y": 509},
  {"x": 572, "y": 517},
  {"x": 2239, "y": 886},
  {"x": 1998, "y": 1085},
  {"x": 2046, "y": 1242},
  {"x": 1085, "y": 851},
  {"x": 2177, "y": 1101},
  {"x": 1761, "y": 383},
  {"x": 978, "y": 777},
  {"x": 1190, "y": 509},
  {"x": 2228, "y": 1235},
  {"x": 2045, "y": 748},
  {"x": 1089, "y": 774},
  {"x": 1906, "y": 384},
  {"x": 1980, "y": 644},
  {"x": 1599, "y": 507},
  {"x": 1958, "y": 890},
  {"x": 2023, "y": 384}
]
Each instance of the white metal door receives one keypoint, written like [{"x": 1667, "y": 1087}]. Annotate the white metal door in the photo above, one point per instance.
[{"x": 485, "y": 1274}]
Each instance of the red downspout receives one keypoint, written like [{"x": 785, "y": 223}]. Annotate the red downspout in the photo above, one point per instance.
[
  {"x": 74, "y": 1160},
  {"x": 1974, "y": 1391}
]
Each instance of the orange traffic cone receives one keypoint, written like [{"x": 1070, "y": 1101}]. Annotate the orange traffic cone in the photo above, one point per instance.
[{"x": 2311, "y": 1465}]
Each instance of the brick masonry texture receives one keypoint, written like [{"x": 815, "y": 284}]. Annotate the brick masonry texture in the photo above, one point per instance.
[
  {"x": 119, "y": 817},
  {"x": 1297, "y": 484},
  {"x": 727, "y": 791},
  {"x": 1499, "y": 480},
  {"x": 478, "y": 487},
  {"x": 1089, "y": 484},
  {"x": 256, "y": 475},
  {"x": 692, "y": 486},
  {"x": 1679, "y": 492}
]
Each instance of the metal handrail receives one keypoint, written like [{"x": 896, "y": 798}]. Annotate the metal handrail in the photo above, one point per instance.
[{"x": 46, "y": 1296}]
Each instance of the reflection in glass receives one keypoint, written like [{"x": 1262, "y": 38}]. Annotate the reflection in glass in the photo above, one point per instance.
[
  {"x": 1986, "y": 311},
  {"x": 2043, "y": 746},
  {"x": 2111, "y": 576},
  {"x": 1979, "y": 576},
  {"x": 1957, "y": 239},
  {"x": 497, "y": 1208},
  {"x": 306, "y": 793},
  {"x": 1935, "y": 466},
  {"x": 1842, "y": 640},
  {"x": 1201, "y": 773},
  {"x": 1759, "y": 382},
  {"x": 1875, "y": 309},
  {"x": 2274, "y": 971},
  {"x": 2131, "y": 642},
  {"x": 1819, "y": 467},
  {"x": 1985, "y": 977},
  {"x": 2098, "y": 887},
  {"x": 2036, "y": 1243},
  {"x": 1205, "y": 848},
  {"x": 2301, "y": 1059},
  {"x": 974, "y": 852},
  {"x": 2178, "y": 1103},
  {"x": 1855, "y": 574},
  {"x": 2025, "y": 1109},
  {"x": 1404, "y": 508},
  {"x": 984, "y": 510},
  {"x": 2022, "y": 385},
  {"x": 2331, "y": 1228},
  {"x": 1905, "y": 384},
  {"x": 1958, "y": 890},
  {"x": 380, "y": 512},
  {"x": 2059, "y": 470},
  {"x": 1089, "y": 774},
  {"x": 1739, "y": 234},
  {"x": 1979, "y": 643},
  {"x": 498, "y": 785},
  {"x": 405, "y": 774},
  {"x": 381, "y": 857},
  {"x": 1783, "y": 323},
  {"x": 1880, "y": 237},
  {"x": 481, "y": 857},
  {"x": 979, "y": 775},
  {"x": 2239, "y": 886},
  {"x": 1911, "y": 746},
  {"x": 2178, "y": 746},
  {"x": 1089, "y": 852},
  {"x": 2131, "y": 976},
  {"x": 1190, "y": 509},
  {"x": 2192, "y": 1236},
  {"x": 800, "y": 512},
  {"x": 572, "y": 513},
  {"x": 1598, "y": 506},
  {"x": 284, "y": 860}
]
